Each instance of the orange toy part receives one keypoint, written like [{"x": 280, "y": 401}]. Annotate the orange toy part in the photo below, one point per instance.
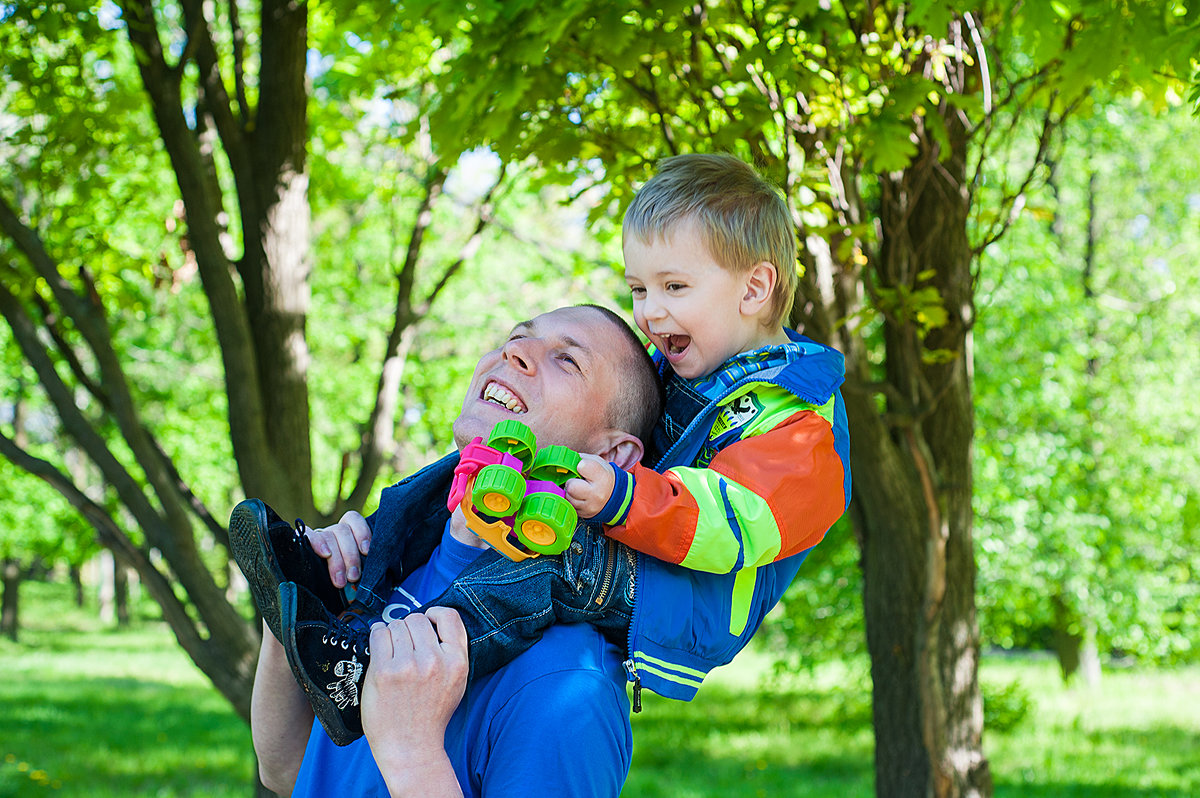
[{"x": 495, "y": 533}]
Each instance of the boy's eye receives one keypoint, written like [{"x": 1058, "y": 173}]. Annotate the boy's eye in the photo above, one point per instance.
[
  {"x": 637, "y": 290},
  {"x": 675, "y": 286}
]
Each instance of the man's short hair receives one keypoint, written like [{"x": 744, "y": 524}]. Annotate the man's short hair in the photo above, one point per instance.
[
  {"x": 742, "y": 217},
  {"x": 637, "y": 401}
]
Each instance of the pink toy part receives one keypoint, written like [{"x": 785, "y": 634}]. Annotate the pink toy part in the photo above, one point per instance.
[
  {"x": 538, "y": 486},
  {"x": 475, "y": 455}
]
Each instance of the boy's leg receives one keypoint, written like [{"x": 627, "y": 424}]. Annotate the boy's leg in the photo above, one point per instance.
[
  {"x": 270, "y": 552},
  {"x": 506, "y": 606}
]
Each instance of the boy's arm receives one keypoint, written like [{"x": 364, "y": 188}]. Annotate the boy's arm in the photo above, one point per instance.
[{"x": 762, "y": 498}]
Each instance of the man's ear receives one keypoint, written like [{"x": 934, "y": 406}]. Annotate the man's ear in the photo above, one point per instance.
[
  {"x": 760, "y": 284},
  {"x": 621, "y": 448}
]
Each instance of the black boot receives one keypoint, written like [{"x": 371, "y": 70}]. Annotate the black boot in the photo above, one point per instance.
[
  {"x": 329, "y": 657},
  {"x": 270, "y": 552}
]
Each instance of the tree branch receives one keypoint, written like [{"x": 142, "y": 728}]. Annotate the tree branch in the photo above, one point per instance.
[
  {"x": 109, "y": 535},
  {"x": 239, "y": 63},
  {"x": 1010, "y": 205},
  {"x": 246, "y": 414},
  {"x": 381, "y": 424}
]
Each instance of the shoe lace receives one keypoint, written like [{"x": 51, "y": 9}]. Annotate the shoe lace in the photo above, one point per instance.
[
  {"x": 299, "y": 528},
  {"x": 349, "y": 629}
]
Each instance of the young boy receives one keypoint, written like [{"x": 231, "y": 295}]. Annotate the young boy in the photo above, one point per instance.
[{"x": 750, "y": 467}]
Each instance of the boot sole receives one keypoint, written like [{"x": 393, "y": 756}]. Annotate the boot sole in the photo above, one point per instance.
[{"x": 248, "y": 542}]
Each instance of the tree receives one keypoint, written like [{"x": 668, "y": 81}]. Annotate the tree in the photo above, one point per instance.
[
  {"x": 160, "y": 380},
  {"x": 882, "y": 123}
]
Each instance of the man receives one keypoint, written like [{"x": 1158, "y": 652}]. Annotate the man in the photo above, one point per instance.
[{"x": 557, "y": 716}]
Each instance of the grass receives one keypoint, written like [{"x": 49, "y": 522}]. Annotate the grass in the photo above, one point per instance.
[{"x": 91, "y": 711}]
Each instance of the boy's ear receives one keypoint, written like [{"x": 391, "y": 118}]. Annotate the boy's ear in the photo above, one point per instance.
[
  {"x": 622, "y": 448},
  {"x": 760, "y": 285}
]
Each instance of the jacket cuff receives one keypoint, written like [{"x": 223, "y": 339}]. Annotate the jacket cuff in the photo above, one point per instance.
[{"x": 616, "y": 510}]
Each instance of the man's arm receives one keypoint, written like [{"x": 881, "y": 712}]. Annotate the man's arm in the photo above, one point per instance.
[
  {"x": 280, "y": 718},
  {"x": 416, "y": 680}
]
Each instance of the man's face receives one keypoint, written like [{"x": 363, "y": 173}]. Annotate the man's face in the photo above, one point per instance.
[{"x": 557, "y": 373}]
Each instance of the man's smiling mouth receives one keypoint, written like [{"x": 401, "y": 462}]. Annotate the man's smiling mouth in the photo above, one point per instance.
[{"x": 496, "y": 393}]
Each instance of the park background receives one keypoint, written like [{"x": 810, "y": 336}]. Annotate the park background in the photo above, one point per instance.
[{"x": 254, "y": 248}]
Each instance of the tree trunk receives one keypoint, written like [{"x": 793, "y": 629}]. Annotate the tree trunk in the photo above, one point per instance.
[
  {"x": 121, "y": 593},
  {"x": 106, "y": 588},
  {"x": 10, "y": 599},
  {"x": 76, "y": 584},
  {"x": 912, "y": 477},
  {"x": 1074, "y": 641}
]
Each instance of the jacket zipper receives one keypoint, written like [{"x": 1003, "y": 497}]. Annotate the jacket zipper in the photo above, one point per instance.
[
  {"x": 630, "y": 667},
  {"x": 608, "y": 572}
]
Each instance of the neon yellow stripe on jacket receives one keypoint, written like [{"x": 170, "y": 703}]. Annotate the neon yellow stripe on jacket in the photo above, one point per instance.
[{"x": 727, "y": 510}]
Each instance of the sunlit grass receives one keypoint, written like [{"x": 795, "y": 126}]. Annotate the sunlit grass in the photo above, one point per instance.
[
  {"x": 93, "y": 711},
  {"x": 86, "y": 710}
]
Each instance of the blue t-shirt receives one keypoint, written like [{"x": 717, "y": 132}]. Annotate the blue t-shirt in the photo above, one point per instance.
[{"x": 554, "y": 721}]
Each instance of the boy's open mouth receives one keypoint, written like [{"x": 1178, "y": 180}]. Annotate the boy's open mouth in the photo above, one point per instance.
[{"x": 676, "y": 344}]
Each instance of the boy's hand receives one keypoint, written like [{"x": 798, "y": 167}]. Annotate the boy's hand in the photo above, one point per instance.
[{"x": 590, "y": 492}]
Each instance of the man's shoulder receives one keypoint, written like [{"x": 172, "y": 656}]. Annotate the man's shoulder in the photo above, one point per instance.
[
  {"x": 572, "y": 662},
  {"x": 575, "y": 652}
]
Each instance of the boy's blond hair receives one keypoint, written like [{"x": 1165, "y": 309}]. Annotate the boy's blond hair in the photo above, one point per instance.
[{"x": 743, "y": 219}]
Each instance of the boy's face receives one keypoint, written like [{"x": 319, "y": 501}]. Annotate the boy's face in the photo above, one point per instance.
[{"x": 687, "y": 304}]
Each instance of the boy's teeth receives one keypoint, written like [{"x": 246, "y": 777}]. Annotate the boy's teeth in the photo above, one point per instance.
[
  {"x": 502, "y": 396},
  {"x": 676, "y": 343}
]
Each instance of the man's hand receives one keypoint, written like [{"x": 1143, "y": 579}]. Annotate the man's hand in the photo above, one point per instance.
[
  {"x": 590, "y": 492},
  {"x": 343, "y": 546},
  {"x": 416, "y": 679}
]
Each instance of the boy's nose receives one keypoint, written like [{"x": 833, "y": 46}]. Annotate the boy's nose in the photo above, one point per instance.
[{"x": 652, "y": 308}]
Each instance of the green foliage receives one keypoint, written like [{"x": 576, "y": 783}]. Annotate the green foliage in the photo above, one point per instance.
[
  {"x": 36, "y": 523},
  {"x": 1005, "y": 706},
  {"x": 820, "y": 618},
  {"x": 1085, "y": 485}
]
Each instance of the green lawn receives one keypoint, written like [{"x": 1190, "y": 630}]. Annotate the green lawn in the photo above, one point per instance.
[{"x": 95, "y": 712}]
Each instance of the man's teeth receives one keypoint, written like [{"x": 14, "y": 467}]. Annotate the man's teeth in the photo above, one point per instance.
[{"x": 502, "y": 396}]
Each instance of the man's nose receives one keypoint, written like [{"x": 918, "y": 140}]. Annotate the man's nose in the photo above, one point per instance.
[{"x": 520, "y": 353}]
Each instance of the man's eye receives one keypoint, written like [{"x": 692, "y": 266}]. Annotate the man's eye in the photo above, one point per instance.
[{"x": 568, "y": 359}]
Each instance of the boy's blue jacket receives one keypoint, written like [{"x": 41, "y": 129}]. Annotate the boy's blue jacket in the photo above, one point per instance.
[
  {"x": 687, "y": 622},
  {"x": 683, "y": 624}
]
